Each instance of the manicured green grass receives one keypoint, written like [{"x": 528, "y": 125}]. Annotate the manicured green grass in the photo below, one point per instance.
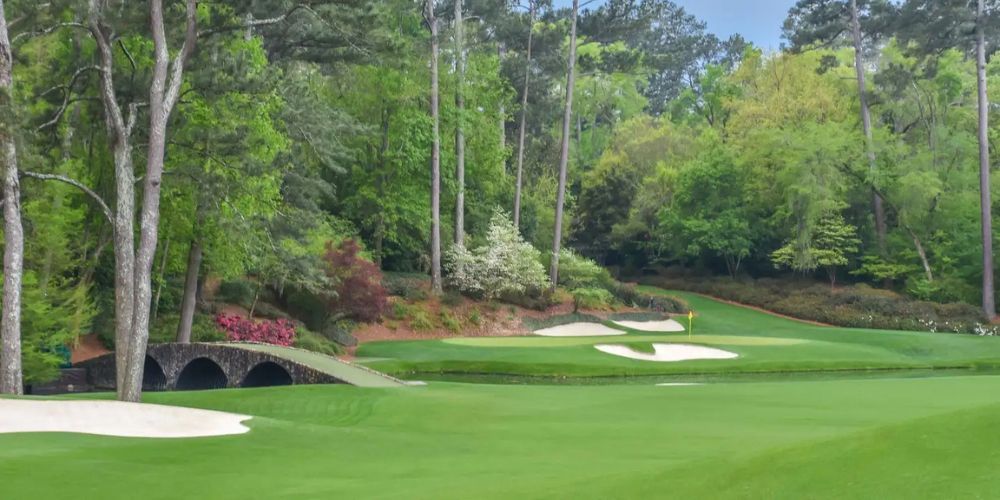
[
  {"x": 764, "y": 342},
  {"x": 886, "y": 438}
]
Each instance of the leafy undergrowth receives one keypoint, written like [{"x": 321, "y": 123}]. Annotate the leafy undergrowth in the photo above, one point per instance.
[{"x": 892, "y": 438}]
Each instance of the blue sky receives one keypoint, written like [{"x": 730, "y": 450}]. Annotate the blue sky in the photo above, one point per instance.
[{"x": 757, "y": 20}]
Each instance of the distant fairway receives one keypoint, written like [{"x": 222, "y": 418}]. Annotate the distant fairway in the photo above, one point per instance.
[
  {"x": 836, "y": 439},
  {"x": 765, "y": 344}
]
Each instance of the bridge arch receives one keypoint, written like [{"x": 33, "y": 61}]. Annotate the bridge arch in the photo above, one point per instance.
[
  {"x": 267, "y": 374},
  {"x": 201, "y": 373},
  {"x": 153, "y": 376}
]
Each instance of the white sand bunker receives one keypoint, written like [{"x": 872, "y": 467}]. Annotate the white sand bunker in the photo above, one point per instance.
[
  {"x": 668, "y": 352},
  {"x": 667, "y": 325},
  {"x": 578, "y": 329},
  {"x": 115, "y": 418}
]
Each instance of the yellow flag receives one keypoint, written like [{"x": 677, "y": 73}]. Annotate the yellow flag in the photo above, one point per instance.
[{"x": 690, "y": 315}]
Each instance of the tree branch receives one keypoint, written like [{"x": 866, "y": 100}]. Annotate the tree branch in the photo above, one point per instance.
[
  {"x": 77, "y": 184},
  {"x": 46, "y": 31},
  {"x": 67, "y": 92}
]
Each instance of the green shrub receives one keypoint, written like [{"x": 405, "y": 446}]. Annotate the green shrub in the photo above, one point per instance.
[
  {"x": 638, "y": 316},
  {"x": 630, "y": 296},
  {"x": 400, "y": 310},
  {"x": 562, "y": 319},
  {"x": 420, "y": 321},
  {"x": 591, "y": 298},
  {"x": 239, "y": 291},
  {"x": 406, "y": 285},
  {"x": 451, "y": 322},
  {"x": 340, "y": 332},
  {"x": 576, "y": 271},
  {"x": 536, "y": 299},
  {"x": 312, "y": 341},
  {"x": 203, "y": 329},
  {"x": 475, "y": 318}
]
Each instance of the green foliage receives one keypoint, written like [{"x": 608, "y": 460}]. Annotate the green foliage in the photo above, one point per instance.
[
  {"x": 421, "y": 321},
  {"x": 534, "y": 324},
  {"x": 576, "y": 272},
  {"x": 239, "y": 291},
  {"x": 591, "y": 298},
  {"x": 312, "y": 341},
  {"x": 475, "y": 318},
  {"x": 451, "y": 322},
  {"x": 203, "y": 329},
  {"x": 833, "y": 242}
]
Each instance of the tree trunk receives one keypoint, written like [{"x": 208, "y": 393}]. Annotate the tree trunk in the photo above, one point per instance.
[
  {"x": 923, "y": 256},
  {"x": 163, "y": 95},
  {"x": 436, "y": 286},
  {"x": 502, "y": 110},
  {"x": 459, "y": 124},
  {"x": 11, "y": 377},
  {"x": 119, "y": 137},
  {"x": 866, "y": 123},
  {"x": 564, "y": 155},
  {"x": 159, "y": 283},
  {"x": 189, "y": 301},
  {"x": 989, "y": 306},
  {"x": 379, "y": 235},
  {"x": 524, "y": 116}
]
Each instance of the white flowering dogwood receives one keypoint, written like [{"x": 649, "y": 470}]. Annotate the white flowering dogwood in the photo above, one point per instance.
[{"x": 505, "y": 264}]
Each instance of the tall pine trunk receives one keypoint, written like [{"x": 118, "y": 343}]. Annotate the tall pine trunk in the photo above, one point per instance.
[
  {"x": 564, "y": 155},
  {"x": 866, "y": 124},
  {"x": 436, "y": 286},
  {"x": 524, "y": 117},
  {"x": 459, "y": 124},
  {"x": 989, "y": 307},
  {"x": 11, "y": 377},
  {"x": 190, "y": 299}
]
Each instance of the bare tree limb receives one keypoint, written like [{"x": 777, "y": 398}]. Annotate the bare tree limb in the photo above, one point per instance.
[
  {"x": 46, "y": 31},
  {"x": 77, "y": 184},
  {"x": 67, "y": 93}
]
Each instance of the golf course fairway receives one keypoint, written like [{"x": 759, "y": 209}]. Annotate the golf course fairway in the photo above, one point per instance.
[
  {"x": 878, "y": 438},
  {"x": 805, "y": 411}
]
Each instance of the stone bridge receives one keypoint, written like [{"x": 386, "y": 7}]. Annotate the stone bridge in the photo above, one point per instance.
[{"x": 221, "y": 365}]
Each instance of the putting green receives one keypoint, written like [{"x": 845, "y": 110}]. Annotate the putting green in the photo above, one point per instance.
[{"x": 574, "y": 341}]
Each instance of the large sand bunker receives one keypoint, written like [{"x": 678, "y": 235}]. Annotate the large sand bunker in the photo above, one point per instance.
[
  {"x": 668, "y": 352},
  {"x": 578, "y": 329},
  {"x": 667, "y": 325},
  {"x": 115, "y": 418}
]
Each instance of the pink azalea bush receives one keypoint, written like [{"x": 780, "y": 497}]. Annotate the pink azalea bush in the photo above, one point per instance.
[{"x": 277, "y": 332}]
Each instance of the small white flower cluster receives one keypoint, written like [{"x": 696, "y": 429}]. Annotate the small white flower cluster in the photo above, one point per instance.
[{"x": 947, "y": 326}]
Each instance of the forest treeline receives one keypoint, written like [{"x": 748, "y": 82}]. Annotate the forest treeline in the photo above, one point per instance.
[{"x": 150, "y": 147}]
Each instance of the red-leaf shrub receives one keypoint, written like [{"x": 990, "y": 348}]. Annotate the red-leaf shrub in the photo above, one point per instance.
[
  {"x": 360, "y": 294},
  {"x": 277, "y": 332}
]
